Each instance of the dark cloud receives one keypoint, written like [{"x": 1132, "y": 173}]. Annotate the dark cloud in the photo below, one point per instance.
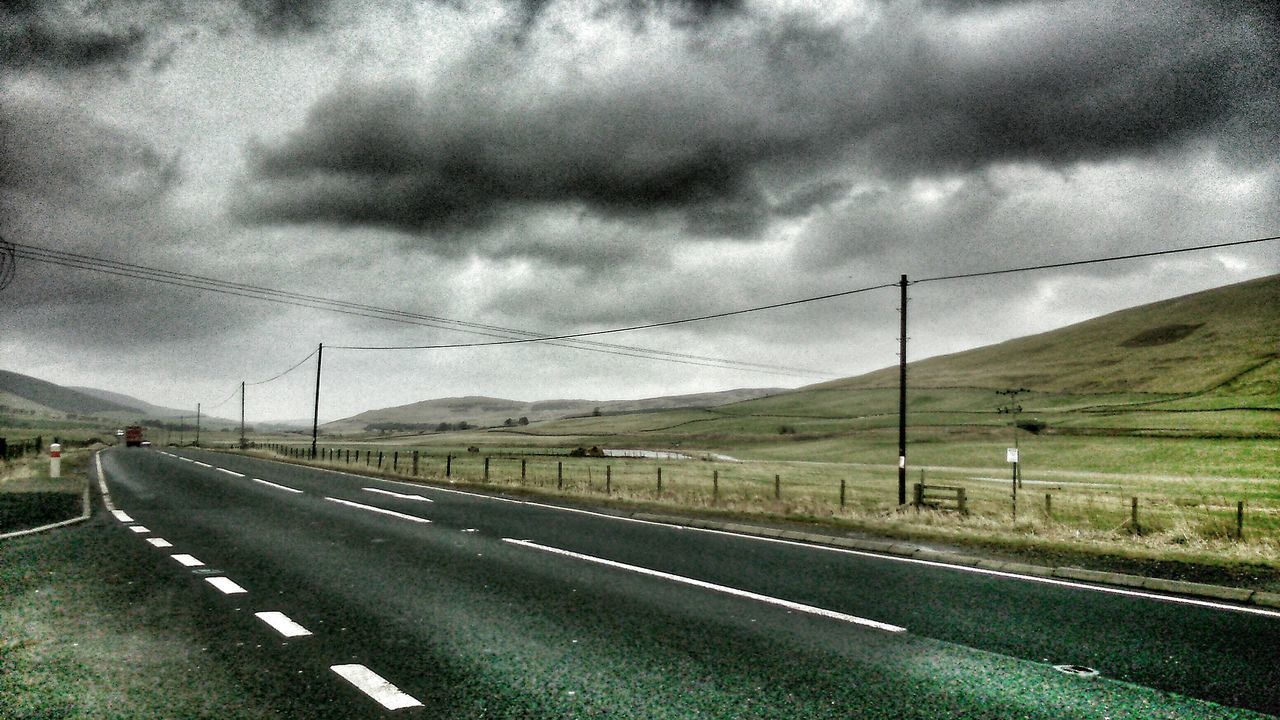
[
  {"x": 55, "y": 153},
  {"x": 30, "y": 37},
  {"x": 707, "y": 138},
  {"x": 284, "y": 17}
]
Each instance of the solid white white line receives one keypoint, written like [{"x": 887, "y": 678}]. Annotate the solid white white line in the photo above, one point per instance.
[
  {"x": 229, "y": 472},
  {"x": 160, "y": 542},
  {"x": 282, "y": 624},
  {"x": 861, "y": 553},
  {"x": 202, "y": 464},
  {"x": 376, "y": 687},
  {"x": 371, "y": 508},
  {"x": 187, "y": 560},
  {"x": 139, "y": 529},
  {"x": 226, "y": 585},
  {"x": 275, "y": 485},
  {"x": 122, "y": 516},
  {"x": 402, "y": 496},
  {"x": 810, "y": 609}
]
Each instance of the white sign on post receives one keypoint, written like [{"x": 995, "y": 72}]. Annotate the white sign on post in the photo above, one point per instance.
[{"x": 1011, "y": 455}]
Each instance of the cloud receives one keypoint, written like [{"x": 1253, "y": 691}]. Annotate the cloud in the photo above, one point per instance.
[
  {"x": 709, "y": 138},
  {"x": 46, "y": 35}
]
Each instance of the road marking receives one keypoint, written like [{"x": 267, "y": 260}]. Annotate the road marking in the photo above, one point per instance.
[
  {"x": 160, "y": 542},
  {"x": 187, "y": 560},
  {"x": 226, "y": 585},
  {"x": 229, "y": 472},
  {"x": 202, "y": 464},
  {"x": 276, "y": 486},
  {"x": 122, "y": 516},
  {"x": 371, "y": 508},
  {"x": 870, "y": 554},
  {"x": 139, "y": 529},
  {"x": 376, "y": 687},
  {"x": 788, "y": 604},
  {"x": 185, "y": 459},
  {"x": 402, "y": 496},
  {"x": 282, "y": 624}
]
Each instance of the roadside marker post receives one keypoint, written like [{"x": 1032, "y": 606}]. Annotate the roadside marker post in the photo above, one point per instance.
[{"x": 55, "y": 461}]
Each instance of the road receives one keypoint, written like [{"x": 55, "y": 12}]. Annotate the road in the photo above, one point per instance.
[{"x": 340, "y": 596}]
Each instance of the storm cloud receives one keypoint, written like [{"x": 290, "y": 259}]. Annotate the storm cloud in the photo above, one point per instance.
[{"x": 708, "y": 136}]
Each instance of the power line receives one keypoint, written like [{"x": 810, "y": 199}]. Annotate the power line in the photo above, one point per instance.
[
  {"x": 631, "y": 328},
  {"x": 1094, "y": 261},
  {"x": 186, "y": 280},
  {"x": 295, "y": 366}
]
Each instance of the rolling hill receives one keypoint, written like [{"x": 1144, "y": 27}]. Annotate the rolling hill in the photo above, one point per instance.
[
  {"x": 486, "y": 411},
  {"x": 35, "y": 394},
  {"x": 1225, "y": 341}
]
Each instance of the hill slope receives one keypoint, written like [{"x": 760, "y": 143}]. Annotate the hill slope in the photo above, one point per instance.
[
  {"x": 1225, "y": 340},
  {"x": 486, "y": 411},
  {"x": 56, "y": 397}
]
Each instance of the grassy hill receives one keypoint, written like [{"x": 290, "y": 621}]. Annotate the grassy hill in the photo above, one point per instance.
[
  {"x": 488, "y": 412},
  {"x": 39, "y": 394},
  {"x": 1203, "y": 366},
  {"x": 1224, "y": 341}
]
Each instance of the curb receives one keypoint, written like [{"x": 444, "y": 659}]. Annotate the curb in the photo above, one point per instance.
[{"x": 1243, "y": 596}]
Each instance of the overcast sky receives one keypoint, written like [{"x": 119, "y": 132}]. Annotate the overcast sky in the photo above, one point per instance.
[{"x": 561, "y": 167}]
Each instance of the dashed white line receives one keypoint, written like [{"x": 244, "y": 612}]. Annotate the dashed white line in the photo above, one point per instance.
[
  {"x": 788, "y": 604},
  {"x": 140, "y": 529},
  {"x": 282, "y": 624},
  {"x": 371, "y": 508},
  {"x": 226, "y": 585},
  {"x": 229, "y": 472},
  {"x": 402, "y": 496},
  {"x": 185, "y": 459},
  {"x": 276, "y": 485},
  {"x": 376, "y": 687},
  {"x": 187, "y": 560},
  {"x": 122, "y": 516},
  {"x": 202, "y": 464},
  {"x": 160, "y": 542}
]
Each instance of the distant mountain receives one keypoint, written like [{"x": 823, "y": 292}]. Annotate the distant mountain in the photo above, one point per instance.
[
  {"x": 146, "y": 408},
  {"x": 489, "y": 412},
  {"x": 58, "y": 398}
]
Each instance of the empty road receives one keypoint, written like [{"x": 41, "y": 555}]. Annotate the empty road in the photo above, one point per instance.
[{"x": 334, "y": 595}]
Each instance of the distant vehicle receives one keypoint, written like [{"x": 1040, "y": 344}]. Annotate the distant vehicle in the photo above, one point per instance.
[{"x": 133, "y": 436}]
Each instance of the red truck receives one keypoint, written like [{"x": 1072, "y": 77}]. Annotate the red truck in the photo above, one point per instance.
[{"x": 133, "y": 436}]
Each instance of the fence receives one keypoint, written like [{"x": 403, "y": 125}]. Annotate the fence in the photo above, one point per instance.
[{"x": 812, "y": 491}]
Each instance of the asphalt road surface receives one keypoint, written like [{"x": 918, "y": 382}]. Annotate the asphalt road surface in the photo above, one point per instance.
[{"x": 333, "y": 595}]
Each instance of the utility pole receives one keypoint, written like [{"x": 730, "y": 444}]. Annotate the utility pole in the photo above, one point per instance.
[
  {"x": 242, "y": 446},
  {"x": 902, "y": 399},
  {"x": 1012, "y": 408},
  {"x": 315, "y": 419},
  {"x": 197, "y": 424}
]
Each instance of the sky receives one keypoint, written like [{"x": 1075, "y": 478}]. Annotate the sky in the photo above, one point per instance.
[{"x": 560, "y": 167}]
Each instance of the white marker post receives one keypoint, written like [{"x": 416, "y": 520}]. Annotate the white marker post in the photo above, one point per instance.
[{"x": 55, "y": 460}]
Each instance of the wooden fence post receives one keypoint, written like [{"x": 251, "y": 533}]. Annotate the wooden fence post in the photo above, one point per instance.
[
  {"x": 448, "y": 465},
  {"x": 486, "y": 469},
  {"x": 842, "y": 492},
  {"x": 715, "y": 486},
  {"x": 522, "y": 470},
  {"x": 1048, "y": 505},
  {"x": 1133, "y": 515},
  {"x": 395, "y": 461},
  {"x": 659, "y": 481},
  {"x": 415, "y": 463},
  {"x": 777, "y": 487},
  {"x": 1240, "y": 520},
  {"x": 559, "y": 474},
  {"x": 608, "y": 479},
  {"x": 379, "y": 459}
]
